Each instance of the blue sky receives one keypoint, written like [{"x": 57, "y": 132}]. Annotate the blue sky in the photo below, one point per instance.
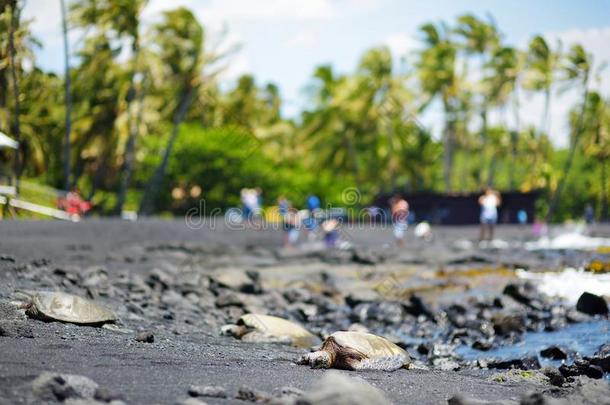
[{"x": 283, "y": 40}]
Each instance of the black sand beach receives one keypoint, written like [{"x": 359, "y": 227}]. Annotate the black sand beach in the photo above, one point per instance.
[{"x": 160, "y": 276}]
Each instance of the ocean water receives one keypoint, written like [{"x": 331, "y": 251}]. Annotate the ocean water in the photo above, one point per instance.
[{"x": 583, "y": 338}]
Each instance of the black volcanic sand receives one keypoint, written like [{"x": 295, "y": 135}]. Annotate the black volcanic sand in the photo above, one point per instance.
[{"x": 182, "y": 284}]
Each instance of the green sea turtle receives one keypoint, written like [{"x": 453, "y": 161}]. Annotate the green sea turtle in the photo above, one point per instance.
[
  {"x": 265, "y": 328},
  {"x": 357, "y": 351},
  {"x": 62, "y": 307}
]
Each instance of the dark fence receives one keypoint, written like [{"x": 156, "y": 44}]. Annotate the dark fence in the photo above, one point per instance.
[{"x": 462, "y": 209}]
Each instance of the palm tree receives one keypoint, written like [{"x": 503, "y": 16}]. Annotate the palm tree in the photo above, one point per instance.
[
  {"x": 68, "y": 95},
  {"x": 541, "y": 65},
  {"x": 438, "y": 79},
  {"x": 596, "y": 141},
  {"x": 120, "y": 20},
  {"x": 500, "y": 84},
  {"x": 577, "y": 70},
  {"x": 130, "y": 11},
  {"x": 14, "y": 9},
  {"x": 180, "y": 41}
]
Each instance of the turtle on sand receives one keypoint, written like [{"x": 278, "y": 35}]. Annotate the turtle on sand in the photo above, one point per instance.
[
  {"x": 357, "y": 351},
  {"x": 62, "y": 307},
  {"x": 266, "y": 328}
]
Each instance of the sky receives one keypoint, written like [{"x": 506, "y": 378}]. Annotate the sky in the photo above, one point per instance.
[{"x": 282, "y": 41}]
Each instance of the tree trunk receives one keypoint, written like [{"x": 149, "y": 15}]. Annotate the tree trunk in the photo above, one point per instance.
[
  {"x": 514, "y": 140},
  {"x": 147, "y": 205},
  {"x": 604, "y": 190},
  {"x": 16, "y": 90},
  {"x": 133, "y": 125},
  {"x": 546, "y": 125},
  {"x": 573, "y": 147},
  {"x": 67, "y": 153},
  {"x": 484, "y": 142},
  {"x": 448, "y": 143}
]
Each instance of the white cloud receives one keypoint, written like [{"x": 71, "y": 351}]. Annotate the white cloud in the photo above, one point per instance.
[
  {"x": 400, "y": 44},
  {"x": 303, "y": 39},
  {"x": 225, "y": 10}
]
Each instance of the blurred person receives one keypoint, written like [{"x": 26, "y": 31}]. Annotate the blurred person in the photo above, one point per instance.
[
  {"x": 311, "y": 221},
  {"x": 74, "y": 204},
  {"x": 330, "y": 228},
  {"x": 250, "y": 203},
  {"x": 399, "y": 208},
  {"x": 489, "y": 202},
  {"x": 589, "y": 214},
  {"x": 290, "y": 221},
  {"x": 522, "y": 217}
]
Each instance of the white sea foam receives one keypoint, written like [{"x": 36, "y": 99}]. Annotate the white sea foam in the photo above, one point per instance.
[
  {"x": 568, "y": 284},
  {"x": 571, "y": 240}
]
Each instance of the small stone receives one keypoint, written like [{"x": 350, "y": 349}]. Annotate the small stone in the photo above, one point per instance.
[
  {"x": 554, "y": 375},
  {"x": 288, "y": 392},
  {"x": 105, "y": 395},
  {"x": 190, "y": 401},
  {"x": 337, "y": 389},
  {"x": 207, "y": 391},
  {"x": 481, "y": 345},
  {"x": 246, "y": 393},
  {"x": 145, "y": 337},
  {"x": 554, "y": 353},
  {"x": 526, "y": 363},
  {"x": 581, "y": 367},
  {"x": 60, "y": 387}
]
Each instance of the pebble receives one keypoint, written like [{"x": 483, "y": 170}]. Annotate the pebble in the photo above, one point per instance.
[
  {"x": 145, "y": 337},
  {"x": 207, "y": 391},
  {"x": 60, "y": 387}
]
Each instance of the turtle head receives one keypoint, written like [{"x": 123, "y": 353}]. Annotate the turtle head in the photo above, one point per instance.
[
  {"x": 318, "y": 359},
  {"x": 236, "y": 331}
]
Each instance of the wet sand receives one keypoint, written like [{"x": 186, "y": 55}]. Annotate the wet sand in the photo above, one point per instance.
[{"x": 187, "y": 349}]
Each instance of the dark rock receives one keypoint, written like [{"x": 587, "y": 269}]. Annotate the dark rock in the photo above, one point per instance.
[
  {"x": 105, "y": 395},
  {"x": 482, "y": 345},
  {"x": 592, "y": 304},
  {"x": 423, "y": 349},
  {"x": 288, "y": 392},
  {"x": 554, "y": 375},
  {"x": 145, "y": 337},
  {"x": 207, "y": 391},
  {"x": 506, "y": 323},
  {"x": 251, "y": 395},
  {"x": 526, "y": 363},
  {"x": 60, "y": 387},
  {"x": 299, "y": 295},
  {"x": 554, "y": 353},
  {"x": 601, "y": 358},
  {"x": 7, "y": 258},
  {"x": 533, "y": 398},
  {"x": 229, "y": 298},
  {"x": 520, "y": 293},
  {"x": 581, "y": 367},
  {"x": 463, "y": 400},
  {"x": 418, "y": 307}
]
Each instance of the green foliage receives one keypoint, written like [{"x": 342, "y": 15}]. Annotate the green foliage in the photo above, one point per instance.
[{"x": 159, "y": 111}]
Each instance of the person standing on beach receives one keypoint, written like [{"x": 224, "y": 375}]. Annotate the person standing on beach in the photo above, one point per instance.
[
  {"x": 489, "y": 202},
  {"x": 399, "y": 208}
]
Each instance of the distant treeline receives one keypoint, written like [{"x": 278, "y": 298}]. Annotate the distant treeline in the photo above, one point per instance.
[{"x": 142, "y": 123}]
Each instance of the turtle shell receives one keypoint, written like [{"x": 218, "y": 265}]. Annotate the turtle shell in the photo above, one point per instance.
[
  {"x": 372, "y": 347},
  {"x": 279, "y": 329},
  {"x": 57, "y": 306}
]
